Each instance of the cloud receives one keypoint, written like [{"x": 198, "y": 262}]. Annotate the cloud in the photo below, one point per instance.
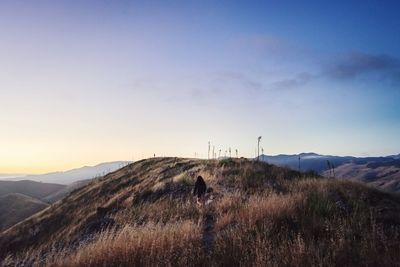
[
  {"x": 349, "y": 67},
  {"x": 262, "y": 46},
  {"x": 343, "y": 68},
  {"x": 250, "y": 84},
  {"x": 357, "y": 64},
  {"x": 299, "y": 80},
  {"x": 239, "y": 78}
]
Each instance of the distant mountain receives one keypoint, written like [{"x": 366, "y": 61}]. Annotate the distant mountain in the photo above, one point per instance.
[
  {"x": 16, "y": 207},
  {"x": 396, "y": 156},
  {"x": 23, "y": 196},
  {"x": 29, "y": 188},
  {"x": 21, "y": 199},
  {"x": 70, "y": 176},
  {"x": 384, "y": 175},
  {"x": 380, "y": 172},
  {"x": 7, "y": 176},
  {"x": 65, "y": 191},
  {"x": 319, "y": 163}
]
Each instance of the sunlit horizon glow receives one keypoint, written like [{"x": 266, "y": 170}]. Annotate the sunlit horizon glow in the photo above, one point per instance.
[{"x": 84, "y": 82}]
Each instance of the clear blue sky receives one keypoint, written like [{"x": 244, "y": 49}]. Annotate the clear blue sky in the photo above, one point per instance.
[{"x": 88, "y": 81}]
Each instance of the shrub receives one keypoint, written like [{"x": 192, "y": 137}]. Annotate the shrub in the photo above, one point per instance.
[{"x": 183, "y": 178}]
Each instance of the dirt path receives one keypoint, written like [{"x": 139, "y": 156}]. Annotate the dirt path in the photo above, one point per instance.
[
  {"x": 208, "y": 231},
  {"x": 209, "y": 219}
]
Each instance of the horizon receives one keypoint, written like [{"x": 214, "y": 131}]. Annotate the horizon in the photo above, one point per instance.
[
  {"x": 6, "y": 176},
  {"x": 84, "y": 82}
]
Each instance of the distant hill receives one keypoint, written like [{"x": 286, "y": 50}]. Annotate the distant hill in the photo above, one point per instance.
[
  {"x": 29, "y": 188},
  {"x": 318, "y": 163},
  {"x": 6, "y": 176},
  {"x": 70, "y": 176},
  {"x": 381, "y": 172},
  {"x": 256, "y": 214},
  {"x": 16, "y": 207},
  {"x": 384, "y": 175},
  {"x": 41, "y": 189},
  {"x": 21, "y": 199},
  {"x": 65, "y": 191}
]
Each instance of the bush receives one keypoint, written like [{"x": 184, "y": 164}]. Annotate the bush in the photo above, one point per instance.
[{"x": 183, "y": 178}]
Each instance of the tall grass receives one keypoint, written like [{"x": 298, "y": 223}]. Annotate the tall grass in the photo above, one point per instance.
[
  {"x": 262, "y": 216},
  {"x": 305, "y": 228},
  {"x": 150, "y": 245}
]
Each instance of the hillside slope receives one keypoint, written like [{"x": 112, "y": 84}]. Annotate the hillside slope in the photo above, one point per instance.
[
  {"x": 21, "y": 199},
  {"x": 383, "y": 175},
  {"x": 257, "y": 214},
  {"x": 29, "y": 188},
  {"x": 380, "y": 172},
  {"x": 16, "y": 207},
  {"x": 65, "y": 191}
]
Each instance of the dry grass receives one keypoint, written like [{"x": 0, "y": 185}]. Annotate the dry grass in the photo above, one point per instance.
[
  {"x": 176, "y": 244},
  {"x": 16, "y": 207},
  {"x": 149, "y": 245},
  {"x": 167, "y": 210},
  {"x": 306, "y": 228},
  {"x": 262, "y": 216}
]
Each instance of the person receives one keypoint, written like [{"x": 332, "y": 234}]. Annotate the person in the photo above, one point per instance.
[{"x": 200, "y": 189}]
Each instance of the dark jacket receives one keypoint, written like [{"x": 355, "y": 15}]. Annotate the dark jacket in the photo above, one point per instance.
[{"x": 200, "y": 187}]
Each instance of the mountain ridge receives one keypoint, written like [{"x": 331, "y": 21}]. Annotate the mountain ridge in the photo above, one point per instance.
[
  {"x": 144, "y": 214},
  {"x": 15, "y": 207},
  {"x": 29, "y": 188},
  {"x": 75, "y": 174},
  {"x": 344, "y": 167}
]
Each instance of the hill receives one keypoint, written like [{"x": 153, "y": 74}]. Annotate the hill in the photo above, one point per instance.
[
  {"x": 49, "y": 192},
  {"x": 257, "y": 214},
  {"x": 65, "y": 191},
  {"x": 8, "y": 176},
  {"x": 361, "y": 169},
  {"x": 21, "y": 199},
  {"x": 318, "y": 163},
  {"x": 74, "y": 175},
  {"x": 29, "y": 188},
  {"x": 383, "y": 175},
  {"x": 17, "y": 207}
]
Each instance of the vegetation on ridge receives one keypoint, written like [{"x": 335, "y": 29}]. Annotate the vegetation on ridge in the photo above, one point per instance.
[{"x": 260, "y": 214}]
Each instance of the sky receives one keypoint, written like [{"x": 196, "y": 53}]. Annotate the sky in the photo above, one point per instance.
[{"x": 83, "y": 82}]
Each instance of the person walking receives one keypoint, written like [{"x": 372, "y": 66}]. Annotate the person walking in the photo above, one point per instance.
[{"x": 200, "y": 189}]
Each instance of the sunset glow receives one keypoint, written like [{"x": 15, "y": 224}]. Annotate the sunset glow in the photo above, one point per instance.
[{"x": 83, "y": 82}]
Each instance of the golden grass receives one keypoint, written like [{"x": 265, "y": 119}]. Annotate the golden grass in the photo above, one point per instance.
[
  {"x": 150, "y": 245},
  {"x": 301, "y": 228},
  {"x": 260, "y": 218},
  {"x": 167, "y": 210}
]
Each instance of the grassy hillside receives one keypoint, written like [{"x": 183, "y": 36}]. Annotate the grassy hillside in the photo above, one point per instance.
[
  {"x": 21, "y": 199},
  {"x": 379, "y": 172},
  {"x": 383, "y": 175},
  {"x": 65, "y": 191},
  {"x": 29, "y": 188},
  {"x": 17, "y": 207},
  {"x": 259, "y": 214}
]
